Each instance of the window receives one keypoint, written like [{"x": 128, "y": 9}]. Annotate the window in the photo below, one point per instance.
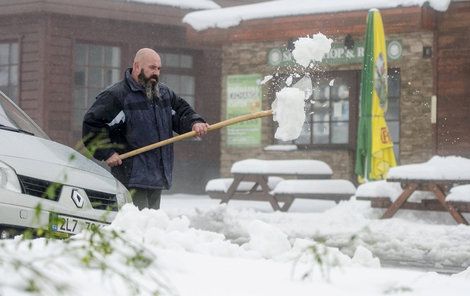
[
  {"x": 393, "y": 111},
  {"x": 177, "y": 73},
  {"x": 332, "y": 109},
  {"x": 9, "y": 62},
  {"x": 328, "y": 109},
  {"x": 95, "y": 68},
  {"x": 327, "y": 113}
]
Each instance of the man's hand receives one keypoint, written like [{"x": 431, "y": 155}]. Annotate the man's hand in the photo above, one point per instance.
[
  {"x": 200, "y": 128},
  {"x": 114, "y": 160}
]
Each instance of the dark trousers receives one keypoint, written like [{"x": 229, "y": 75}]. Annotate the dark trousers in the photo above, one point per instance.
[{"x": 146, "y": 198}]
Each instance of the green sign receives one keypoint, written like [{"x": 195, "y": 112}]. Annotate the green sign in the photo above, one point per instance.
[
  {"x": 244, "y": 97},
  {"x": 338, "y": 55}
]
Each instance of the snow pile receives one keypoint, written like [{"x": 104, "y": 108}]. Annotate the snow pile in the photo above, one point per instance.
[
  {"x": 280, "y": 148},
  {"x": 431, "y": 238},
  {"x": 379, "y": 189},
  {"x": 459, "y": 193},
  {"x": 223, "y": 184},
  {"x": 281, "y": 167},
  {"x": 464, "y": 274},
  {"x": 233, "y": 16},
  {"x": 392, "y": 190},
  {"x": 289, "y": 111},
  {"x": 79, "y": 267},
  {"x": 319, "y": 187},
  {"x": 364, "y": 257},
  {"x": 437, "y": 168},
  {"x": 155, "y": 228},
  {"x": 184, "y": 4},
  {"x": 268, "y": 254},
  {"x": 439, "y": 5},
  {"x": 267, "y": 240},
  {"x": 311, "y": 49}
]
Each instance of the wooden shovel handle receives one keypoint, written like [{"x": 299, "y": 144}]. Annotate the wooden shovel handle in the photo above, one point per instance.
[{"x": 191, "y": 134}]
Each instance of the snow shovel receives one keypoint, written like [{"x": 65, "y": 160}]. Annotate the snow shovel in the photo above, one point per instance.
[{"x": 191, "y": 134}]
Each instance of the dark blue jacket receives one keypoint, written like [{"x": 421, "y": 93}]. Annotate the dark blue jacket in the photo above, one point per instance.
[{"x": 124, "y": 116}]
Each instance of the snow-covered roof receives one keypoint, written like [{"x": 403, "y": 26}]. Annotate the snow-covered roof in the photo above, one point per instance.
[
  {"x": 184, "y": 4},
  {"x": 232, "y": 16}
]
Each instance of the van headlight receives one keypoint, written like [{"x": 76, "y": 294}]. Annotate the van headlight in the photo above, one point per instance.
[
  {"x": 123, "y": 194},
  {"x": 8, "y": 178}
]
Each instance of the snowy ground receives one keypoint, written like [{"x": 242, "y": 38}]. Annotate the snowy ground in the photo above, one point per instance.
[
  {"x": 203, "y": 248},
  {"x": 430, "y": 239}
]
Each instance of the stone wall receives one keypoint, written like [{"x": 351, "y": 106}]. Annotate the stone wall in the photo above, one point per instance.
[{"x": 416, "y": 91}]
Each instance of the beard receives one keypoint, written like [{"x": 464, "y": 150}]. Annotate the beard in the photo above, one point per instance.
[{"x": 150, "y": 84}]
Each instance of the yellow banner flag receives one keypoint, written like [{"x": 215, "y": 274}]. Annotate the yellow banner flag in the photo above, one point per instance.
[
  {"x": 382, "y": 157},
  {"x": 374, "y": 152}
]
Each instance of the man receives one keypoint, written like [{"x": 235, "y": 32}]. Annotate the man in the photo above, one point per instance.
[{"x": 135, "y": 112}]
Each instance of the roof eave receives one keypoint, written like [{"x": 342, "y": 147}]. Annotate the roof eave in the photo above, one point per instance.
[
  {"x": 107, "y": 9},
  {"x": 396, "y": 20}
]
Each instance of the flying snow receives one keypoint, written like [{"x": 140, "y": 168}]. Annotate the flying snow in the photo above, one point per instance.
[
  {"x": 289, "y": 105},
  {"x": 288, "y": 111},
  {"x": 311, "y": 49}
]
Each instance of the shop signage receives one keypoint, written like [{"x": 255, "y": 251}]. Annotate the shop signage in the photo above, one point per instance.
[
  {"x": 244, "y": 97},
  {"x": 338, "y": 55}
]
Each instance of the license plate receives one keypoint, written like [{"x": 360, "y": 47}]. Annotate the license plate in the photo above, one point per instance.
[{"x": 74, "y": 225}]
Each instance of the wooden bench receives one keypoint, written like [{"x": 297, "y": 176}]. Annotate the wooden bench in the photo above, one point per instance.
[
  {"x": 334, "y": 189},
  {"x": 436, "y": 201},
  {"x": 423, "y": 205},
  {"x": 258, "y": 180}
]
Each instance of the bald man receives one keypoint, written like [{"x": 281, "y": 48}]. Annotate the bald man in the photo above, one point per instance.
[{"x": 137, "y": 111}]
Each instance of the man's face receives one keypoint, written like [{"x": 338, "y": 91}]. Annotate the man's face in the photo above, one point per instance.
[{"x": 150, "y": 69}]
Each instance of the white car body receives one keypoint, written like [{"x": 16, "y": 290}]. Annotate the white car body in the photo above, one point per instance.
[{"x": 40, "y": 179}]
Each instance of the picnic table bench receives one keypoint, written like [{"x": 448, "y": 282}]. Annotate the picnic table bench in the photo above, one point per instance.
[
  {"x": 263, "y": 180},
  {"x": 434, "y": 177}
]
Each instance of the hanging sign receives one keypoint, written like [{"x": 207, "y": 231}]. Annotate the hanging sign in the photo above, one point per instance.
[
  {"x": 338, "y": 55},
  {"x": 244, "y": 97}
]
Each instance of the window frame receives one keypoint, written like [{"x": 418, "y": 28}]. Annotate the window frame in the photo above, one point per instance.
[
  {"x": 10, "y": 42},
  {"x": 398, "y": 120},
  {"x": 180, "y": 71},
  {"x": 354, "y": 76},
  {"x": 353, "y": 110},
  {"x": 120, "y": 68}
]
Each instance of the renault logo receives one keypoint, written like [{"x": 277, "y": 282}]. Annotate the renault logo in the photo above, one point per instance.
[{"x": 77, "y": 198}]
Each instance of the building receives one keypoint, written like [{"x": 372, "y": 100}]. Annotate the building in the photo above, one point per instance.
[
  {"x": 56, "y": 55},
  {"x": 429, "y": 70}
]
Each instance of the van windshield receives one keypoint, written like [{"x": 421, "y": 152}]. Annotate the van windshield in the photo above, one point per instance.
[{"x": 14, "y": 119}]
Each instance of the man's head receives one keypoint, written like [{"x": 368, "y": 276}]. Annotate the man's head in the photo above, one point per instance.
[{"x": 146, "y": 69}]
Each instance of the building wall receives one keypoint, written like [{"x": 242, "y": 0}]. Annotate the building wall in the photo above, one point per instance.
[
  {"x": 453, "y": 77},
  {"x": 29, "y": 32},
  {"x": 416, "y": 91}
]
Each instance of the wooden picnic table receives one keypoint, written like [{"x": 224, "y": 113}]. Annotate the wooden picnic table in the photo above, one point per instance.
[
  {"x": 259, "y": 171},
  {"x": 440, "y": 188}
]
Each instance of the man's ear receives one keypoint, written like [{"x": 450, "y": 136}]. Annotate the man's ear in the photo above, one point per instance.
[{"x": 136, "y": 68}]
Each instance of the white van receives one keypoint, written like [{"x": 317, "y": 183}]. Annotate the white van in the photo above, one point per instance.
[{"x": 42, "y": 180}]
